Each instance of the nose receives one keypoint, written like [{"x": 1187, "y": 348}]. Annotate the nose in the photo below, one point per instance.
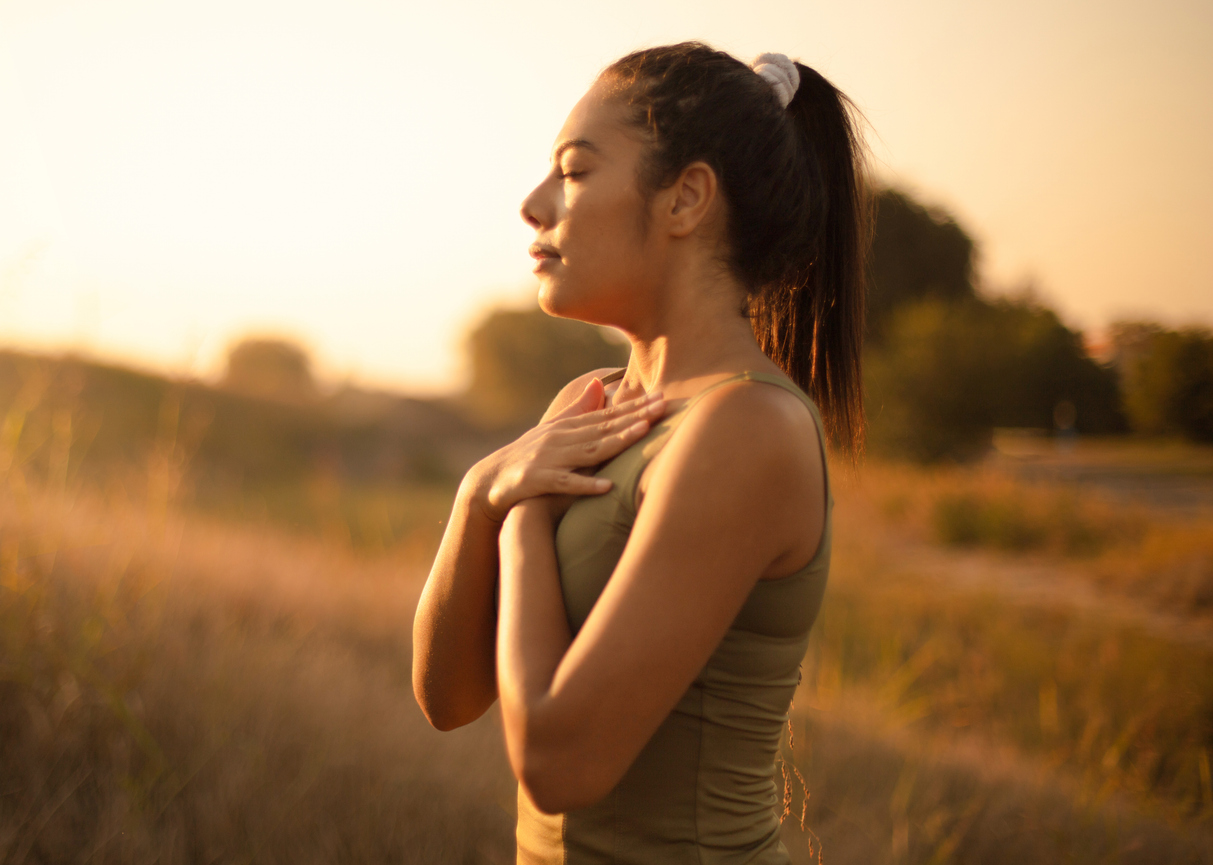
[{"x": 532, "y": 209}]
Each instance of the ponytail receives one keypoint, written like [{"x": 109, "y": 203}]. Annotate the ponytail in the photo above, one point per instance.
[
  {"x": 811, "y": 322},
  {"x": 797, "y": 213}
]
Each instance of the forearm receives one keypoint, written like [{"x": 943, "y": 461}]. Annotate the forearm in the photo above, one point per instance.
[
  {"x": 454, "y": 672},
  {"x": 454, "y": 629},
  {"x": 533, "y": 636}
]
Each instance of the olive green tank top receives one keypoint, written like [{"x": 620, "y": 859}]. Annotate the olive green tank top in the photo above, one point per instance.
[{"x": 703, "y": 790}]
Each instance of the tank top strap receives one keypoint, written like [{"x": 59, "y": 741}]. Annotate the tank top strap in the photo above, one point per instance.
[
  {"x": 767, "y": 378},
  {"x": 749, "y": 375},
  {"x": 653, "y": 444}
]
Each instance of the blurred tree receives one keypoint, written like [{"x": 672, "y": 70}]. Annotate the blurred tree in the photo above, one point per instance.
[
  {"x": 1040, "y": 364},
  {"x": 945, "y": 366},
  {"x": 522, "y": 358},
  {"x": 926, "y": 383},
  {"x": 1166, "y": 378},
  {"x": 917, "y": 253},
  {"x": 270, "y": 368},
  {"x": 947, "y": 373}
]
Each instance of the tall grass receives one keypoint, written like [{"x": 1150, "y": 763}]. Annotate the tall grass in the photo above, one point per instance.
[
  {"x": 1116, "y": 709},
  {"x": 182, "y": 690},
  {"x": 1165, "y": 559},
  {"x": 198, "y": 693}
]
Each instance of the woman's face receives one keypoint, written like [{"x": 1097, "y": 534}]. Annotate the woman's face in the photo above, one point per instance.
[{"x": 594, "y": 255}]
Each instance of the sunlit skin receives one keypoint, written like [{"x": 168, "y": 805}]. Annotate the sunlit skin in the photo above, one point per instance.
[{"x": 736, "y": 496}]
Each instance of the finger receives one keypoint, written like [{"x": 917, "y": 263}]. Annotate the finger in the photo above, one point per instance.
[
  {"x": 571, "y": 483},
  {"x": 599, "y": 448},
  {"x": 608, "y": 428},
  {"x": 589, "y": 400},
  {"x": 651, "y": 406},
  {"x": 599, "y": 425},
  {"x": 588, "y": 439}
]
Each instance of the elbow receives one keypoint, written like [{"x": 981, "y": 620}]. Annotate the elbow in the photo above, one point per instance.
[
  {"x": 433, "y": 710},
  {"x": 443, "y": 711},
  {"x": 558, "y": 783},
  {"x": 441, "y": 722}
]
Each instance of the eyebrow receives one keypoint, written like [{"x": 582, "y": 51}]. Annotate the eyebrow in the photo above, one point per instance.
[{"x": 574, "y": 142}]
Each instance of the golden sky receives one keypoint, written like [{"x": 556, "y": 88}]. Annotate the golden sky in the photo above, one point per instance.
[{"x": 175, "y": 174}]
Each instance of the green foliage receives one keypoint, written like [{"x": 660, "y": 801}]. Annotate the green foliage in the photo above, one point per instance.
[
  {"x": 917, "y": 253},
  {"x": 1039, "y": 364},
  {"x": 945, "y": 366},
  {"x": 926, "y": 384},
  {"x": 946, "y": 374},
  {"x": 522, "y": 358},
  {"x": 1167, "y": 379}
]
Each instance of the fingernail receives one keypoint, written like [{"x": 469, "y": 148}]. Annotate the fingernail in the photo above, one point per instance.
[
  {"x": 639, "y": 426},
  {"x": 654, "y": 396},
  {"x": 602, "y": 484}
]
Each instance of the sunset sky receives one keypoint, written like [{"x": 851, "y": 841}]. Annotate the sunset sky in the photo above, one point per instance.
[{"x": 174, "y": 175}]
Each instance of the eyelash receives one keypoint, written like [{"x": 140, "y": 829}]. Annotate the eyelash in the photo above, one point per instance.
[{"x": 565, "y": 175}]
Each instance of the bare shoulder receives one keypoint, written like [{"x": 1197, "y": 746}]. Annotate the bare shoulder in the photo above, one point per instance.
[
  {"x": 747, "y": 459},
  {"x": 755, "y": 421},
  {"x": 743, "y": 435},
  {"x": 573, "y": 389}
]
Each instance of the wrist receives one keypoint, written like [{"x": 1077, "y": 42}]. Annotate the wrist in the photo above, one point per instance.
[
  {"x": 473, "y": 492},
  {"x": 530, "y": 513}
]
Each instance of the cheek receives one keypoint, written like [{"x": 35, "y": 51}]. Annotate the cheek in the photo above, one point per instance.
[
  {"x": 606, "y": 256},
  {"x": 608, "y": 237}
]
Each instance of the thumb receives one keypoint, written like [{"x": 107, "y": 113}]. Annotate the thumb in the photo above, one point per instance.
[{"x": 590, "y": 399}]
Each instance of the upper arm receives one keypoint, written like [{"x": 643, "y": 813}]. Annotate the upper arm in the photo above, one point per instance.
[
  {"x": 732, "y": 494},
  {"x": 572, "y": 390}
]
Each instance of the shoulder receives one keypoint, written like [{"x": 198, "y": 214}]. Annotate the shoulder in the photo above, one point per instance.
[
  {"x": 755, "y": 421},
  {"x": 747, "y": 436},
  {"x": 573, "y": 389},
  {"x": 744, "y": 467}
]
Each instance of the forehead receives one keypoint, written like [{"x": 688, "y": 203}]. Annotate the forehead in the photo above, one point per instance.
[{"x": 599, "y": 120}]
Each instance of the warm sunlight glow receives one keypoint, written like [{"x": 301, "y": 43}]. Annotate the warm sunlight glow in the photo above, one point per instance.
[{"x": 176, "y": 174}]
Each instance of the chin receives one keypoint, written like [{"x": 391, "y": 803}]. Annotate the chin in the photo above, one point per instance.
[
  {"x": 557, "y": 301},
  {"x": 591, "y": 306}
]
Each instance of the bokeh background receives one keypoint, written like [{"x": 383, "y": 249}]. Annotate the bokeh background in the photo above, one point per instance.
[{"x": 264, "y": 297}]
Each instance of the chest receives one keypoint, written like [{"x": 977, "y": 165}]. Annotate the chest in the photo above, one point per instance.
[{"x": 595, "y": 530}]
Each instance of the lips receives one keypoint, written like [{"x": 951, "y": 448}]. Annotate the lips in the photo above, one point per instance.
[{"x": 541, "y": 251}]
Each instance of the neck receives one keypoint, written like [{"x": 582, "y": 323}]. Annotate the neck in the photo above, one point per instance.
[{"x": 694, "y": 330}]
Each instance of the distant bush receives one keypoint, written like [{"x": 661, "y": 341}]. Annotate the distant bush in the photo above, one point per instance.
[
  {"x": 1166, "y": 379},
  {"x": 270, "y": 368},
  {"x": 1017, "y": 520},
  {"x": 522, "y": 358}
]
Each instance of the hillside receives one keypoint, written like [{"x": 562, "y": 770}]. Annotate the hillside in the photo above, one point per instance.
[{"x": 69, "y": 421}]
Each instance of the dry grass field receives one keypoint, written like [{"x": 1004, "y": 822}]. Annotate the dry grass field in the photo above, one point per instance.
[
  {"x": 1005, "y": 670},
  {"x": 992, "y": 690}
]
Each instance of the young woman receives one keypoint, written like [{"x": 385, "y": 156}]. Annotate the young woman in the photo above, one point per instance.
[{"x": 636, "y": 577}]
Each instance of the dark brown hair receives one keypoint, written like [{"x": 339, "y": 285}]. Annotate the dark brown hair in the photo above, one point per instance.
[{"x": 793, "y": 182}]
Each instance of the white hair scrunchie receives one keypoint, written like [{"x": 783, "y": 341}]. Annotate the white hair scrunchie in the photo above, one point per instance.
[{"x": 780, "y": 72}]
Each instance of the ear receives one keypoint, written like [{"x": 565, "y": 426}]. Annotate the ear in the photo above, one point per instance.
[{"x": 692, "y": 197}]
